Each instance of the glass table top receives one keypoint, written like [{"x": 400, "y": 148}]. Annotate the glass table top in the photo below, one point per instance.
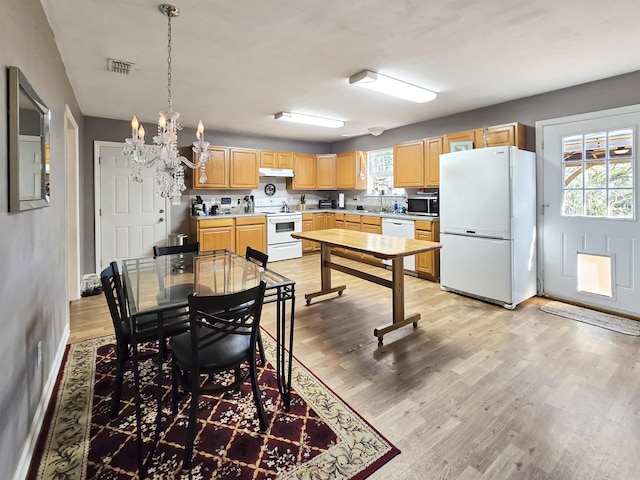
[{"x": 165, "y": 282}]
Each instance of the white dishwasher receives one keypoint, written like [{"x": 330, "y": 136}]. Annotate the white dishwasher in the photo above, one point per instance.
[{"x": 397, "y": 227}]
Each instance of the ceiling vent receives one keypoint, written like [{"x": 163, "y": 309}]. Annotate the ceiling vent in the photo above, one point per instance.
[{"x": 120, "y": 66}]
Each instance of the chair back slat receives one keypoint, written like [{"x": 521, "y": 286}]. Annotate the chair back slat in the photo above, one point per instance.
[
  {"x": 173, "y": 249},
  {"x": 212, "y": 318},
  {"x": 257, "y": 257}
]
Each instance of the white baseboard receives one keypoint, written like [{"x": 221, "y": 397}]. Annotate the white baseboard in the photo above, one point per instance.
[{"x": 38, "y": 419}]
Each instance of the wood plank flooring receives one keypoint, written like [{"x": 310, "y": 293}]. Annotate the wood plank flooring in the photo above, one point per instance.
[{"x": 475, "y": 392}]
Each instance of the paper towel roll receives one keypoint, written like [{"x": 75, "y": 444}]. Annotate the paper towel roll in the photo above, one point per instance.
[{"x": 341, "y": 200}]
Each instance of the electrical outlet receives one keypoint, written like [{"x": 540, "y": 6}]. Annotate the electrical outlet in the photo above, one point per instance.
[{"x": 39, "y": 353}]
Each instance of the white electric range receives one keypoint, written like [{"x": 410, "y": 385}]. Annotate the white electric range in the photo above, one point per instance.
[{"x": 280, "y": 225}]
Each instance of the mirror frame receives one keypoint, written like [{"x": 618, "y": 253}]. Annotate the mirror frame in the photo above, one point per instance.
[{"x": 18, "y": 84}]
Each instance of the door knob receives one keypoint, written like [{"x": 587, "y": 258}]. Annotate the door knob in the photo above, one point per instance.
[
  {"x": 161, "y": 210},
  {"x": 161, "y": 219}
]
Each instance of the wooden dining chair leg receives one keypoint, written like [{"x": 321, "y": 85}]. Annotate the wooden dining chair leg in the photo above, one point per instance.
[{"x": 193, "y": 421}]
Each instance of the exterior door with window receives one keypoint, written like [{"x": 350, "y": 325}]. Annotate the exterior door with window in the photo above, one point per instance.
[
  {"x": 132, "y": 218},
  {"x": 590, "y": 231}
]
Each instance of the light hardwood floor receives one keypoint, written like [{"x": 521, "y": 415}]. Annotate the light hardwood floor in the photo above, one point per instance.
[{"x": 475, "y": 392}]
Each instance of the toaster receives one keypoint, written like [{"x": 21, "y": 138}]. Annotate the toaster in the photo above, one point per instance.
[{"x": 326, "y": 204}]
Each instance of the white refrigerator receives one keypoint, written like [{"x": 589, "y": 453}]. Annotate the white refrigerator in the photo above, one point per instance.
[{"x": 488, "y": 224}]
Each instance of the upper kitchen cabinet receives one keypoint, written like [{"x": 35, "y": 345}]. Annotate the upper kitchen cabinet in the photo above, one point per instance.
[
  {"x": 326, "y": 172},
  {"x": 216, "y": 169},
  {"x": 408, "y": 164},
  {"x": 432, "y": 149},
  {"x": 271, "y": 159},
  {"x": 351, "y": 171},
  {"x": 510, "y": 134},
  {"x": 304, "y": 172},
  {"x": 466, "y": 136},
  {"x": 243, "y": 168}
]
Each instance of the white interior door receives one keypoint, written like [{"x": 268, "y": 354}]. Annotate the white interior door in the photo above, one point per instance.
[
  {"x": 568, "y": 240},
  {"x": 132, "y": 219}
]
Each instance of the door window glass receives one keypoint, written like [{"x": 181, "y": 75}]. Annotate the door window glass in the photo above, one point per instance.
[{"x": 598, "y": 174}]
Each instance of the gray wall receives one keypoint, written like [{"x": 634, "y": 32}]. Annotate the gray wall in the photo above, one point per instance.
[
  {"x": 590, "y": 97},
  {"x": 33, "y": 246}
]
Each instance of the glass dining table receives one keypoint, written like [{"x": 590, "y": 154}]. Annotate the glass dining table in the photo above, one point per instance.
[{"x": 160, "y": 285}]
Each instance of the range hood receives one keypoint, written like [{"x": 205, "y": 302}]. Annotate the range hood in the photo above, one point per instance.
[{"x": 275, "y": 172}]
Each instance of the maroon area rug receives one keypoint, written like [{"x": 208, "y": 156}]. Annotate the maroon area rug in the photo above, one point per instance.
[{"x": 320, "y": 437}]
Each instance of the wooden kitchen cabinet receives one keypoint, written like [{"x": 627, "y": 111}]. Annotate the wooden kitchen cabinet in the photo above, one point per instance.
[
  {"x": 466, "y": 136},
  {"x": 351, "y": 171},
  {"x": 271, "y": 159},
  {"x": 511, "y": 134},
  {"x": 214, "y": 234},
  {"x": 408, "y": 164},
  {"x": 326, "y": 172},
  {"x": 432, "y": 149},
  {"x": 243, "y": 168},
  {"x": 324, "y": 221},
  {"x": 304, "y": 170},
  {"x": 250, "y": 232},
  {"x": 371, "y": 225},
  {"x": 308, "y": 226},
  {"x": 216, "y": 169},
  {"x": 428, "y": 264}
]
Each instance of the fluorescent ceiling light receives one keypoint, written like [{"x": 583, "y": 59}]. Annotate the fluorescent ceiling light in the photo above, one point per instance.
[
  {"x": 391, "y": 86},
  {"x": 308, "y": 119}
]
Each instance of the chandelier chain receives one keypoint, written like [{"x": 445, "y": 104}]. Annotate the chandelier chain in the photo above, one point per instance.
[
  {"x": 169, "y": 65},
  {"x": 164, "y": 153}
]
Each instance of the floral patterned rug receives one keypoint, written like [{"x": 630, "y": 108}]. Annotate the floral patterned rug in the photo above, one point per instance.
[{"x": 320, "y": 437}]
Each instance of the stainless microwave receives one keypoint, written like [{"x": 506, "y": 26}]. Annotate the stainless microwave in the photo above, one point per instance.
[{"x": 424, "y": 204}]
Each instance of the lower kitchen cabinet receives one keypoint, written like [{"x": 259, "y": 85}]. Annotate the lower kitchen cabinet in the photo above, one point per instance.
[
  {"x": 428, "y": 264},
  {"x": 214, "y": 234},
  {"x": 251, "y": 232},
  {"x": 308, "y": 226},
  {"x": 231, "y": 233},
  {"x": 371, "y": 225},
  {"x": 312, "y": 222}
]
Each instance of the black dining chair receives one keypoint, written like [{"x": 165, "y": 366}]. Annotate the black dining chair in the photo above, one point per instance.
[
  {"x": 257, "y": 257},
  {"x": 260, "y": 259},
  {"x": 146, "y": 327},
  {"x": 223, "y": 330},
  {"x": 173, "y": 249}
]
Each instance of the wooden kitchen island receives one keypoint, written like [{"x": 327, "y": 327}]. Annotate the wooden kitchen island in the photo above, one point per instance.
[{"x": 380, "y": 246}]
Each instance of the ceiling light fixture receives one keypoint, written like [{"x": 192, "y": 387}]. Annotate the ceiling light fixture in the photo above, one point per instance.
[
  {"x": 375, "y": 131},
  {"x": 169, "y": 178},
  {"x": 391, "y": 86},
  {"x": 308, "y": 119}
]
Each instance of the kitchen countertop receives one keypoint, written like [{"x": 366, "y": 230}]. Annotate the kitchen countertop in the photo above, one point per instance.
[
  {"x": 226, "y": 215},
  {"x": 406, "y": 216}
]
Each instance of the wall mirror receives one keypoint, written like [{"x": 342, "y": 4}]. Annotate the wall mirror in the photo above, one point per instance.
[{"x": 28, "y": 145}]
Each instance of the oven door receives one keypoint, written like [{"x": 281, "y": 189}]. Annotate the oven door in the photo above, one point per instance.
[{"x": 280, "y": 228}]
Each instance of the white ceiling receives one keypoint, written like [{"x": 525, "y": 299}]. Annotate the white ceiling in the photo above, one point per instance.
[{"x": 238, "y": 62}]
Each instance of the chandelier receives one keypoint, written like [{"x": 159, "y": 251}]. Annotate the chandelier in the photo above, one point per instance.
[{"x": 169, "y": 177}]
